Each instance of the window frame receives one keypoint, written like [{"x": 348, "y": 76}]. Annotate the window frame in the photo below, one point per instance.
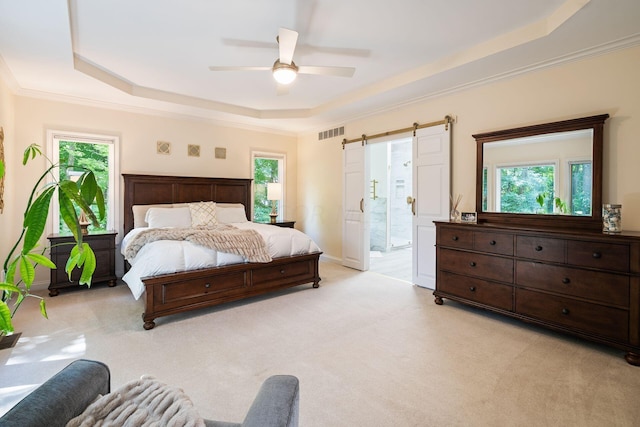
[
  {"x": 113, "y": 199},
  {"x": 281, "y": 157},
  {"x": 497, "y": 197}
]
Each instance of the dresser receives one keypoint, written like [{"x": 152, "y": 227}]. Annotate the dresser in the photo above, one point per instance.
[
  {"x": 104, "y": 248},
  {"x": 582, "y": 283}
]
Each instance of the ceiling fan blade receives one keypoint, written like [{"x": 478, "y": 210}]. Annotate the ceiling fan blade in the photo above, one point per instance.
[
  {"x": 287, "y": 40},
  {"x": 327, "y": 71},
  {"x": 232, "y": 68},
  {"x": 282, "y": 90}
]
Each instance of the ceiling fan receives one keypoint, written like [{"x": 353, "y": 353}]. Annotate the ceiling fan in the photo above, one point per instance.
[{"x": 284, "y": 69}]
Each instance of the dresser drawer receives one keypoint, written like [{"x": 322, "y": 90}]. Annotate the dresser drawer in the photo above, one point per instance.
[
  {"x": 607, "y": 256},
  {"x": 578, "y": 315},
  {"x": 607, "y": 288},
  {"x": 495, "y": 243},
  {"x": 477, "y": 290},
  {"x": 478, "y": 265},
  {"x": 541, "y": 248},
  {"x": 455, "y": 237}
]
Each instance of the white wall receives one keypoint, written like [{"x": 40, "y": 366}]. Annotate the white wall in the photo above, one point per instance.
[
  {"x": 597, "y": 85},
  {"x": 138, "y": 135}
]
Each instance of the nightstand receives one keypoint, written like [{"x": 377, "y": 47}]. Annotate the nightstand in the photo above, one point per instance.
[
  {"x": 104, "y": 247},
  {"x": 284, "y": 223}
]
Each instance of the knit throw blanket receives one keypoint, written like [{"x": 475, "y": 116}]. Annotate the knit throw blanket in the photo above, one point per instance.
[
  {"x": 141, "y": 403},
  {"x": 223, "y": 238}
]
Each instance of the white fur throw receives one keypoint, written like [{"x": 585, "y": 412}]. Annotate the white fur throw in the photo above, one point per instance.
[
  {"x": 142, "y": 403},
  {"x": 222, "y": 237}
]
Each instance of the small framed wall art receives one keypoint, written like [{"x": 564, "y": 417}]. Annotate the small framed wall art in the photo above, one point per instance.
[{"x": 193, "y": 150}]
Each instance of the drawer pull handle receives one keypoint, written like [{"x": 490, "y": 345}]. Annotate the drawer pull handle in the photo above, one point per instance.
[
  {"x": 472, "y": 288},
  {"x": 472, "y": 264},
  {"x": 492, "y": 243},
  {"x": 538, "y": 248},
  {"x": 207, "y": 285},
  {"x": 597, "y": 255},
  {"x": 565, "y": 311},
  {"x": 566, "y": 281},
  {"x": 454, "y": 238},
  {"x": 282, "y": 271}
]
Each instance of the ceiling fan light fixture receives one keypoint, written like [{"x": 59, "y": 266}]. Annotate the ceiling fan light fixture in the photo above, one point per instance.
[{"x": 284, "y": 73}]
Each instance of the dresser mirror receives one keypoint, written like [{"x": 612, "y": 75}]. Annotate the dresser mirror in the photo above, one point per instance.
[{"x": 547, "y": 175}]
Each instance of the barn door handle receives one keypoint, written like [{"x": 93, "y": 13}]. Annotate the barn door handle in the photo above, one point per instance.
[
  {"x": 362, "y": 205},
  {"x": 413, "y": 206}
]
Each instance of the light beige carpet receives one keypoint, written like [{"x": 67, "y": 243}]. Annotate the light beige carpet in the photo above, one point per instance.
[{"x": 369, "y": 351}]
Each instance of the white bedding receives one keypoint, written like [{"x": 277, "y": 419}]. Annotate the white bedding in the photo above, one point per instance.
[{"x": 165, "y": 257}]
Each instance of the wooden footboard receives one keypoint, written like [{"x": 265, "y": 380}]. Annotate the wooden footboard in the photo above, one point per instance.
[{"x": 180, "y": 292}]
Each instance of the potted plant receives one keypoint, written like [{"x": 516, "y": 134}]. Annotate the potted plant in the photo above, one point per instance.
[{"x": 26, "y": 254}]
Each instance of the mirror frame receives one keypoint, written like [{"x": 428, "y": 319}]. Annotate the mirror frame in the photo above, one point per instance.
[{"x": 593, "y": 222}]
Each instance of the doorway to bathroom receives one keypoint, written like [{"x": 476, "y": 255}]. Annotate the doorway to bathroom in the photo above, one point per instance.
[{"x": 390, "y": 195}]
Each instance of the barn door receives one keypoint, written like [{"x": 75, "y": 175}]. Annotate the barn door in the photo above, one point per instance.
[
  {"x": 431, "y": 189},
  {"x": 355, "y": 207}
]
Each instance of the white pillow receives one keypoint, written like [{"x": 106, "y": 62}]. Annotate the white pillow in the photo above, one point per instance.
[
  {"x": 203, "y": 214},
  {"x": 225, "y": 215},
  {"x": 168, "y": 217}
]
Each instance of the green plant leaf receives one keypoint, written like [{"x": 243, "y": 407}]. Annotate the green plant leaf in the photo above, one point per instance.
[
  {"x": 11, "y": 271},
  {"x": 32, "y": 150},
  {"x": 5, "y": 318},
  {"x": 89, "y": 265},
  {"x": 43, "y": 309},
  {"x": 100, "y": 203},
  {"x": 8, "y": 287},
  {"x": 1, "y": 168},
  {"x": 27, "y": 272},
  {"x": 41, "y": 259},
  {"x": 68, "y": 214},
  {"x": 76, "y": 259},
  {"x": 36, "y": 219},
  {"x": 88, "y": 187}
]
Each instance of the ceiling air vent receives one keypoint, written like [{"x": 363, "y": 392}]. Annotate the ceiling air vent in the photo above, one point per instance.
[{"x": 331, "y": 133}]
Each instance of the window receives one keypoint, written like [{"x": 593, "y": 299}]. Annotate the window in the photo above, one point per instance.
[
  {"x": 580, "y": 188},
  {"x": 526, "y": 188},
  {"x": 77, "y": 152},
  {"x": 267, "y": 167}
]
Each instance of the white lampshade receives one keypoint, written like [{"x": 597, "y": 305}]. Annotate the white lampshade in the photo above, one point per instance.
[{"x": 274, "y": 191}]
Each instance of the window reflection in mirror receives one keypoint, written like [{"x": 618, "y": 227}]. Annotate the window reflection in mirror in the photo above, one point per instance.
[{"x": 541, "y": 174}]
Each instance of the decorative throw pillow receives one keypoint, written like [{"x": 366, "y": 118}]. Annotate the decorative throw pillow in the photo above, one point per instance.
[
  {"x": 203, "y": 214},
  {"x": 141, "y": 403}
]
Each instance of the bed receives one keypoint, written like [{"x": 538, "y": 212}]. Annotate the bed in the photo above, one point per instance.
[{"x": 182, "y": 291}]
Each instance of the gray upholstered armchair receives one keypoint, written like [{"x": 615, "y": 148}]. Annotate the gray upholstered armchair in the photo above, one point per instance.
[{"x": 71, "y": 390}]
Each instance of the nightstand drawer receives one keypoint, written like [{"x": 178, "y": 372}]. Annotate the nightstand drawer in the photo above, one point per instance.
[{"x": 104, "y": 248}]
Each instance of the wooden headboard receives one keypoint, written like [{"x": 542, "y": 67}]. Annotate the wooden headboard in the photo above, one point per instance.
[{"x": 159, "y": 189}]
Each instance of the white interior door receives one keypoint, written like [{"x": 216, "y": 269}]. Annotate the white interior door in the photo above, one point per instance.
[
  {"x": 431, "y": 189},
  {"x": 355, "y": 207}
]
